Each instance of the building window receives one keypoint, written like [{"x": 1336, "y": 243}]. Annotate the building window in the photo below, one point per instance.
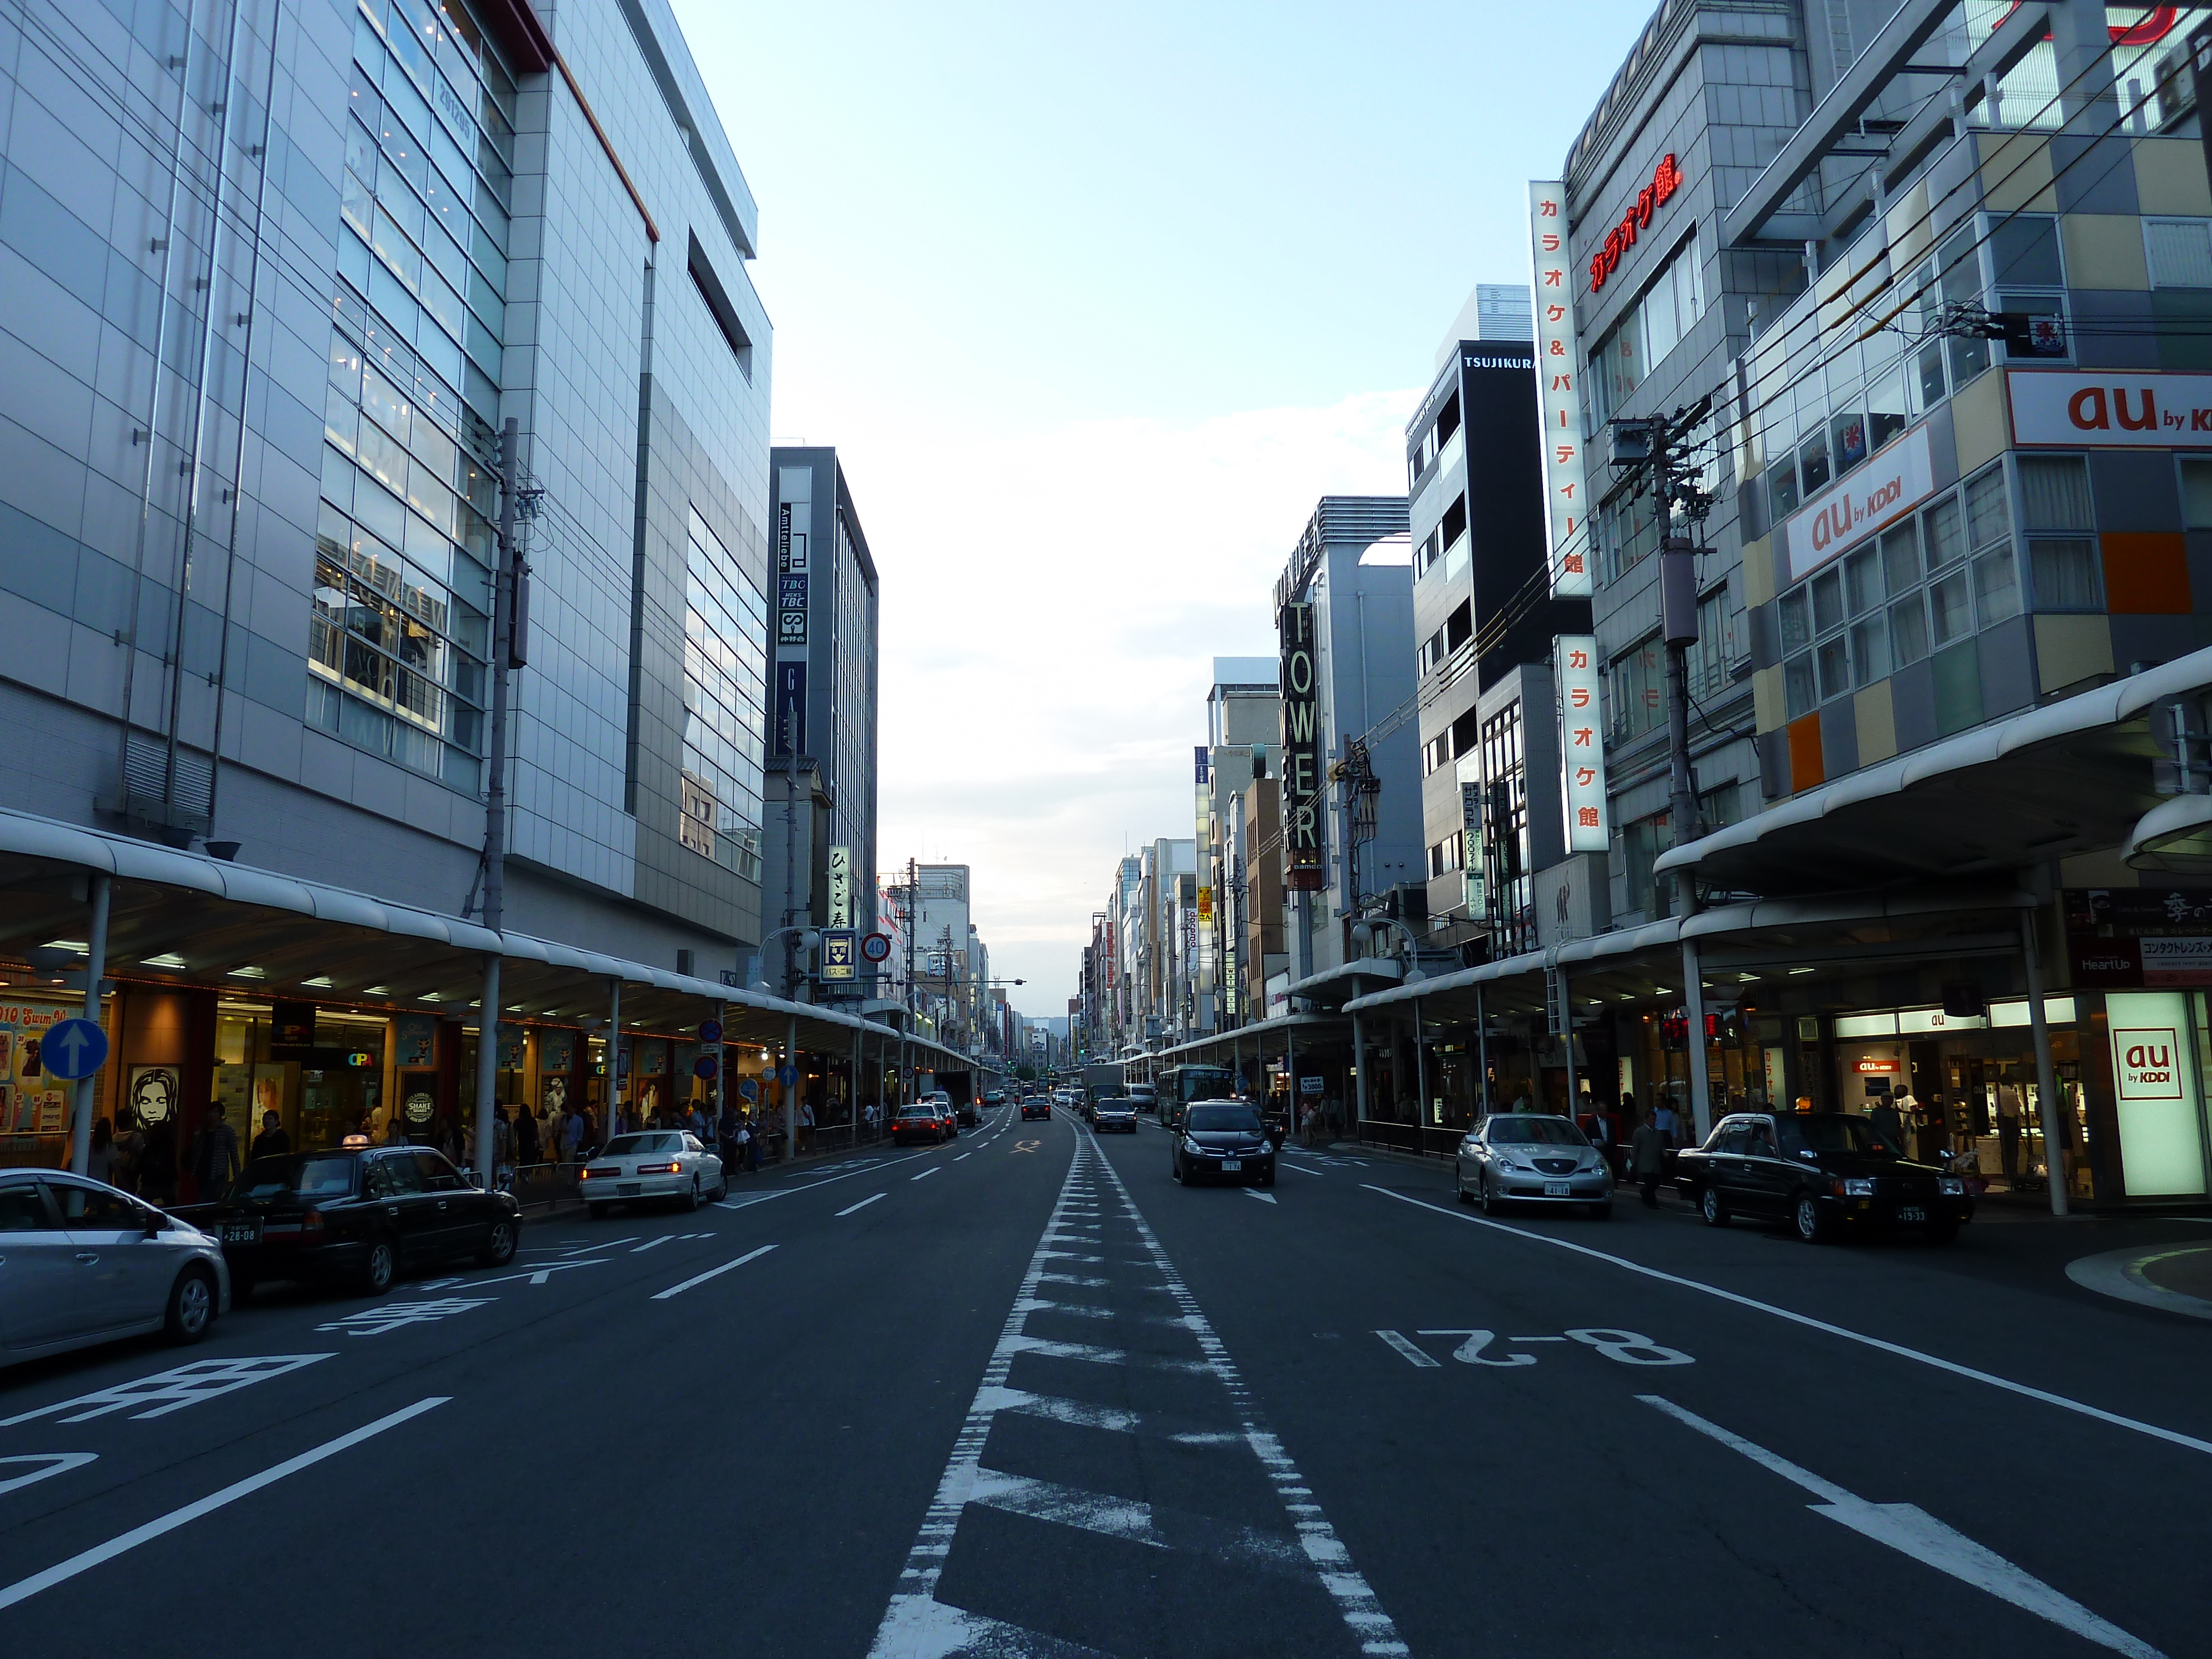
[
  {"x": 1641, "y": 842},
  {"x": 724, "y": 704},
  {"x": 1649, "y": 329},
  {"x": 1636, "y": 685},
  {"x": 2179, "y": 252},
  {"x": 1627, "y": 529},
  {"x": 2054, "y": 499},
  {"x": 1505, "y": 838}
]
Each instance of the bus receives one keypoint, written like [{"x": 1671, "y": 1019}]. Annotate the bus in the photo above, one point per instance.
[{"x": 1179, "y": 1085}]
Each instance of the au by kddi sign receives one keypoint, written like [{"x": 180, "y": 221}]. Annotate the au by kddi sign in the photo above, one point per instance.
[{"x": 1304, "y": 868}]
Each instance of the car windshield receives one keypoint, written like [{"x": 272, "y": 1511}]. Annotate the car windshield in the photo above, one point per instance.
[
  {"x": 1831, "y": 1132},
  {"x": 1535, "y": 1132},
  {"x": 1205, "y": 1119},
  {"x": 630, "y": 1145},
  {"x": 307, "y": 1177}
]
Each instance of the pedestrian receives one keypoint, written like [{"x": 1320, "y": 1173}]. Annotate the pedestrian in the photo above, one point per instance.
[
  {"x": 572, "y": 1135},
  {"x": 101, "y": 1164},
  {"x": 2009, "y": 1137},
  {"x": 157, "y": 1165},
  {"x": 750, "y": 1133},
  {"x": 273, "y": 1141},
  {"x": 1647, "y": 1159},
  {"x": 725, "y": 1136},
  {"x": 503, "y": 1140},
  {"x": 806, "y": 1126},
  {"x": 1663, "y": 1116},
  {"x": 130, "y": 1151},
  {"x": 395, "y": 1132},
  {"x": 525, "y": 1136},
  {"x": 1889, "y": 1124},
  {"x": 212, "y": 1159}
]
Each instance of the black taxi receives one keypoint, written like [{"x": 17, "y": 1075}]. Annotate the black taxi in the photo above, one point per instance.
[
  {"x": 1825, "y": 1172},
  {"x": 356, "y": 1215}
]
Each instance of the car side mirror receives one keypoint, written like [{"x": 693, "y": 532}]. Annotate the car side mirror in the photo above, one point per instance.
[{"x": 154, "y": 1223}]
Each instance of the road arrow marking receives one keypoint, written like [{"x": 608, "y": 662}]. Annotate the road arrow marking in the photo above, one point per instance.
[
  {"x": 56, "y": 1463},
  {"x": 1253, "y": 1192},
  {"x": 1910, "y": 1530}
]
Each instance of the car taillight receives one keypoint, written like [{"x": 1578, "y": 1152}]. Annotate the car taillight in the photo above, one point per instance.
[
  {"x": 659, "y": 1168},
  {"x": 311, "y": 1224}
]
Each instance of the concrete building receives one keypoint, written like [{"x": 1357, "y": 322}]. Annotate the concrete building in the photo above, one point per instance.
[
  {"x": 1242, "y": 717},
  {"x": 823, "y": 700}
]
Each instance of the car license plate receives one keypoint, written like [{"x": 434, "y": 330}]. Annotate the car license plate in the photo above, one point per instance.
[
  {"x": 1556, "y": 1189},
  {"x": 242, "y": 1232},
  {"x": 627, "y": 1188},
  {"x": 1911, "y": 1212},
  {"x": 1231, "y": 1165}
]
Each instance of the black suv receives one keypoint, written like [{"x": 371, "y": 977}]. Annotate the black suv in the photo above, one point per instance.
[{"x": 1825, "y": 1173}]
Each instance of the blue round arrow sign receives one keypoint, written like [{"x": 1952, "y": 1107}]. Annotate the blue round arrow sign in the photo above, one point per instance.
[{"x": 73, "y": 1048}]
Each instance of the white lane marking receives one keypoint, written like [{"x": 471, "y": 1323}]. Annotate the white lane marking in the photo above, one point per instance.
[
  {"x": 964, "y": 1157},
  {"x": 24, "y": 1589},
  {"x": 1412, "y": 1350},
  {"x": 862, "y": 1204},
  {"x": 54, "y": 1462},
  {"x": 1910, "y": 1530},
  {"x": 392, "y": 1316},
  {"x": 605, "y": 1244},
  {"x": 926, "y": 1174},
  {"x": 655, "y": 1245},
  {"x": 1293, "y": 1164},
  {"x": 2173, "y": 1437},
  {"x": 1045, "y": 1348},
  {"x": 1355, "y": 1602},
  {"x": 808, "y": 1187},
  {"x": 535, "y": 1275},
  {"x": 711, "y": 1273},
  {"x": 171, "y": 1390},
  {"x": 1253, "y": 1192}
]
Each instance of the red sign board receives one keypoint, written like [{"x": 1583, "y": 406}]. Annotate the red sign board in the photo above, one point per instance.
[{"x": 1666, "y": 179}]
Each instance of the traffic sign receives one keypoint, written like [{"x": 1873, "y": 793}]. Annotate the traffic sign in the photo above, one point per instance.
[
  {"x": 837, "y": 953},
  {"x": 876, "y": 947},
  {"x": 73, "y": 1048},
  {"x": 704, "y": 1068},
  {"x": 787, "y": 1074},
  {"x": 710, "y": 1031}
]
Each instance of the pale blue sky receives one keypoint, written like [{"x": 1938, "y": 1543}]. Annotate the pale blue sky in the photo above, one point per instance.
[{"x": 1097, "y": 302}]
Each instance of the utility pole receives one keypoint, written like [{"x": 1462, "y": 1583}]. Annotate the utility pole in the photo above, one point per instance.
[{"x": 507, "y": 651}]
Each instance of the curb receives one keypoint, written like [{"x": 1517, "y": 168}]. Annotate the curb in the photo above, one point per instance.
[{"x": 2119, "y": 1274}]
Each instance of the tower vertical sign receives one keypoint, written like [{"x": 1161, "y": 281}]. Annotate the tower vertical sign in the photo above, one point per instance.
[
  {"x": 1558, "y": 405},
  {"x": 1582, "y": 742},
  {"x": 1303, "y": 867}
]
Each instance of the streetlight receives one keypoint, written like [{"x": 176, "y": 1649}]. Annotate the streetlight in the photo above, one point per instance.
[{"x": 809, "y": 938}]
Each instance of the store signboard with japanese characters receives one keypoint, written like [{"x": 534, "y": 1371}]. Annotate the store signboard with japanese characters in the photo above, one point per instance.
[
  {"x": 1582, "y": 742},
  {"x": 1559, "y": 401},
  {"x": 33, "y": 1102}
]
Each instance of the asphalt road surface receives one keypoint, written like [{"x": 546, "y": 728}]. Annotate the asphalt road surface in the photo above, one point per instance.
[{"x": 1021, "y": 1395}]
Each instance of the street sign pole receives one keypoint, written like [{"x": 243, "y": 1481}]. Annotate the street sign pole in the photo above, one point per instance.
[{"x": 95, "y": 967}]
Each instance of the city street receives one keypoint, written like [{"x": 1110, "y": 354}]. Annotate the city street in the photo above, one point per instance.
[{"x": 1021, "y": 1393}]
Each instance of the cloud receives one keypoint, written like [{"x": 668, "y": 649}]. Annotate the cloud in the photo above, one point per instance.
[{"x": 1051, "y": 603}]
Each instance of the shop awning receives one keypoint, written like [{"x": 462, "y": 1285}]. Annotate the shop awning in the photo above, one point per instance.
[
  {"x": 1333, "y": 984},
  {"x": 1299, "y": 1025},
  {"x": 188, "y": 919},
  {"x": 2073, "y": 776}
]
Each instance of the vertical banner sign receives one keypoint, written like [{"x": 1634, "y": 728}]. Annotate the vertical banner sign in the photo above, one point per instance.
[
  {"x": 1582, "y": 742},
  {"x": 791, "y": 708},
  {"x": 1559, "y": 405},
  {"x": 1302, "y": 863},
  {"x": 791, "y": 609},
  {"x": 2155, "y": 1078},
  {"x": 841, "y": 887},
  {"x": 1473, "y": 860}
]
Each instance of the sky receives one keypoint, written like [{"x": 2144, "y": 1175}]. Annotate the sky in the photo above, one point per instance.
[{"x": 1095, "y": 303}]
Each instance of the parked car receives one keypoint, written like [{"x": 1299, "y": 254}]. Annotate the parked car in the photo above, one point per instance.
[
  {"x": 1221, "y": 1138},
  {"x": 1532, "y": 1158},
  {"x": 1825, "y": 1172},
  {"x": 1115, "y": 1114},
  {"x": 82, "y": 1262},
  {"x": 651, "y": 1164},
  {"x": 1036, "y": 1106},
  {"x": 918, "y": 1123},
  {"x": 357, "y": 1214}
]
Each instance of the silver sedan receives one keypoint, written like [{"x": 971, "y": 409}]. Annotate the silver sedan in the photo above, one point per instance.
[
  {"x": 1530, "y": 1157},
  {"x": 653, "y": 1164},
  {"x": 82, "y": 1262}
]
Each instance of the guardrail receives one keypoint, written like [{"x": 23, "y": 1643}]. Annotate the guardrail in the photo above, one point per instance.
[{"x": 1423, "y": 1139}]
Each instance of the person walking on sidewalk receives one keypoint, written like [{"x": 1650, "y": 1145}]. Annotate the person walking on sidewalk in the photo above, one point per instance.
[
  {"x": 273, "y": 1141},
  {"x": 1647, "y": 1159},
  {"x": 214, "y": 1155},
  {"x": 806, "y": 1126}
]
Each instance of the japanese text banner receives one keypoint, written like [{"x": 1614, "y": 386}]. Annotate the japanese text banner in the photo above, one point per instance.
[{"x": 1559, "y": 405}]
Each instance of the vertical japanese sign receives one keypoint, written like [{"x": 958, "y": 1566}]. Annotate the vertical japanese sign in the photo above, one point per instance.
[
  {"x": 1302, "y": 863},
  {"x": 1582, "y": 742},
  {"x": 1558, "y": 401},
  {"x": 1473, "y": 857},
  {"x": 791, "y": 580},
  {"x": 841, "y": 887}
]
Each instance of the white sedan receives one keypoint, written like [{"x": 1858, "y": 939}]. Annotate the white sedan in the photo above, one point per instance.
[{"x": 653, "y": 1164}]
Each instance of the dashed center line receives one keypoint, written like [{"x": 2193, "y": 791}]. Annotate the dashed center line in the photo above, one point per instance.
[
  {"x": 926, "y": 1174},
  {"x": 862, "y": 1204}
]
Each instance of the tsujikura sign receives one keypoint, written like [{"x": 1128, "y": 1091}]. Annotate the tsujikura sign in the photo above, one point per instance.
[
  {"x": 1581, "y": 744},
  {"x": 1666, "y": 179},
  {"x": 1559, "y": 408},
  {"x": 1303, "y": 866}
]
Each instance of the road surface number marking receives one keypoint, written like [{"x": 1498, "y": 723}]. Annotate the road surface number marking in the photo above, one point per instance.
[
  {"x": 1622, "y": 1347},
  {"x": 377, "y": 1321}
]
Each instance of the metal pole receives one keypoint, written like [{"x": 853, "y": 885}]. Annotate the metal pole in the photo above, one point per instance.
[
  {"x": 791, "y": 1090},
  {"x": 95, "y": 968},
  {"x": 2046, "y": 1081},
  {"x": 853, "y": 1088},
  {"x": 495, "y": 847},
  {"x": 1567, "y": 1030},
  {"x": 1359, "y": 1075},
  {"x": 721, "y": 1062},
  {"x": 1420, "y": 1072},
  {"x": 1481, "y": 1059},
  {"x": 614, "y": 1064},
  {"x": 1693, "y": 1001}
]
